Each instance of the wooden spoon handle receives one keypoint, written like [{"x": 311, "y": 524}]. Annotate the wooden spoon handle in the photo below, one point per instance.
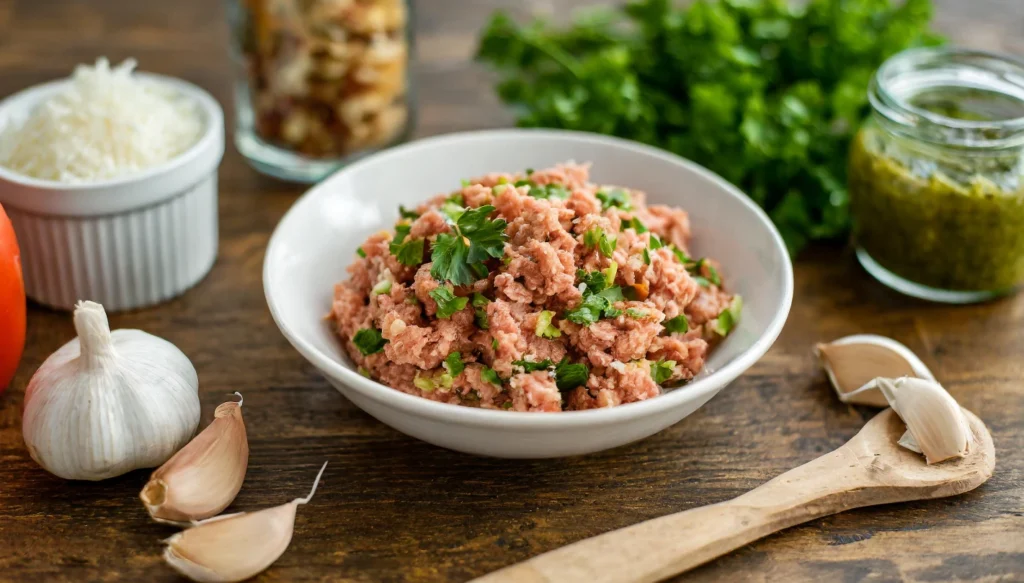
[{"x": 666, "y": 546}]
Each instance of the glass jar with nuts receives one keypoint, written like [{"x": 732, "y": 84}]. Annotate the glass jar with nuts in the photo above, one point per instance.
[{"x": 321, "y": 82}]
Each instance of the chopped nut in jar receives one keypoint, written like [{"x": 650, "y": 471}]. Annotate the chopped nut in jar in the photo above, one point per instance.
[{"x": 328, "y": 78}]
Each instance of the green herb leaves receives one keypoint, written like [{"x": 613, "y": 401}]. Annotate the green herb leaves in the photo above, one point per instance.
[
  {"x": 596, "y": 237},
  {"x": 677, "y": 325},
  {"x": 453, "y": 364},
  {"x": 568, "y": 376},
  {"x": 615, "y": 197},
  {"x": 447, "y": 302},
  {"x": 369, "y": 341},
  {"x": 598, "y": 298},
  {"x": 766, "y": 93},
  {"x": 407, "y": 252},
  {"x": 458, "y": 256},
  {"x": 531, "y": 366},
  {"x": 729, "y": 317},
  {"x": 661, "y": 370}
]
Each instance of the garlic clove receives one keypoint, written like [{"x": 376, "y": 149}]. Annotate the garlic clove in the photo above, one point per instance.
[
  {"x": 936, "y": 426},
  {"x": 108, "y": 402},
  {"x": 853, "y": 362},
  {"x": 204, "y": 477},
  {"x": 235, "y": 547}
]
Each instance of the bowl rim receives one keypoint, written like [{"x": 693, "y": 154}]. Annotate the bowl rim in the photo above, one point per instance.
[
  {"x": 412, "y": 404},
  {"x": 110, "y": 194}
]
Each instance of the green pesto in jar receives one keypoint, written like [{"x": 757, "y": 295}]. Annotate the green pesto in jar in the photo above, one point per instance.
[{"x": 931, "y": 228}]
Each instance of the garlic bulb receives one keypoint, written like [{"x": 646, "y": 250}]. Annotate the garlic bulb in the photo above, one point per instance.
[
  {"x": 204, "y": 477},
  {"x": 852, "y": 364},
  {"x": 936, "y": 426},
  {"x": 235, "y": 547},
  {"x": 109, "y": 402}
]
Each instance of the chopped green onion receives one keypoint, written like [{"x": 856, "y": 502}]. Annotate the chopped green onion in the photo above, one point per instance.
[{"x": 545, "y": 329}]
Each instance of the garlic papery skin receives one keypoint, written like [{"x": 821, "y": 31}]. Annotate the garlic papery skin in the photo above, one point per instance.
[
  {"x": 204, "y": 477},
  {"x": 237, "y": 546},
  {"x": 936, "y": 426},
  {"x": 853, "y": 362},
  {"x": 109, "y": 402}
]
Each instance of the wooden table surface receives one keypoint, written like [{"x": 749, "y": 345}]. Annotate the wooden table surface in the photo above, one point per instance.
[{"x": 394, "y": 509}]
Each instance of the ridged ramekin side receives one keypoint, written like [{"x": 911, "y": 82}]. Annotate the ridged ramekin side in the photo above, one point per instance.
[{"x": 125, "y": 260}]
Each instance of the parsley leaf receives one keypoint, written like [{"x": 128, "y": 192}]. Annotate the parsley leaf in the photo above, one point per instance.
[
  {"x": 531, "y": 366},
  {"x": 447, "y": 302},
  {"x": 369, "y": 341},
  {"x": 589, "y": 311},
  {"x": 733, "y": 85},
  {"x": 647, "y": 256},
  {"x": 677, "y": 325},
  {"x": 635, "y": 224},
  {"x": 597, "y": 299},
  {"x": 480, "y": 311},
  {"x": 729, "y": 317},
  {"x": 662, "y": 370},
  {"x": 475, "y": 239},
  {"x": 656, "y": 242},
  {"x": 549, "y": 191},
  {"x": 616, "y": 197},
  {"x": 635, "y": 313},
  {"x": 360, "y": 252},
  {"x": 568, "y": 376},
  {"x": 680, "y": 255},
  {"x": 407, "y": 214},
  {"x": 454, "y": 365},
  {"x": 596, "y": 237},
  {"x": 490, "y": 375},
  {"x": 407, "y": 252},
  {"x": 596, "y": 281}
]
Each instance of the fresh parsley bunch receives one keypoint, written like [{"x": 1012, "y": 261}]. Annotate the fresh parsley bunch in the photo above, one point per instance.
[{"x": 766, "y": 93}]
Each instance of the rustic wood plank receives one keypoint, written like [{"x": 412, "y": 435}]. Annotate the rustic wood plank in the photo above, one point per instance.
[{"x": 394, "y": 509}]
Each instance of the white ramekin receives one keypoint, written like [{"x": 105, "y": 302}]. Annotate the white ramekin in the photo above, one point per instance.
[{"x": 127, "y": 242}]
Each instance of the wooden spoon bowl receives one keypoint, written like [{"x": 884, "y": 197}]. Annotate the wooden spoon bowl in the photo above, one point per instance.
[{"x": 869, "y": 469}]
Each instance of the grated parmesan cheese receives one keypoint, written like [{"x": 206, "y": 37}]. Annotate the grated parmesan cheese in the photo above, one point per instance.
[{"x": 104, "y": 124}]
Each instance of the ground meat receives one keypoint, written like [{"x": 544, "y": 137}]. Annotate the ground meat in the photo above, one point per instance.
[
  {"x": 534, "y": 391},
  {"x": 498, "y": 333}
]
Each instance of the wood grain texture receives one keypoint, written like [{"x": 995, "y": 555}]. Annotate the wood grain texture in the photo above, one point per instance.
[{"x": 393, "y": 509}]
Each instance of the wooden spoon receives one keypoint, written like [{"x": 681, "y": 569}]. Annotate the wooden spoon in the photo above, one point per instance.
[{"x": 869, "y": 469}]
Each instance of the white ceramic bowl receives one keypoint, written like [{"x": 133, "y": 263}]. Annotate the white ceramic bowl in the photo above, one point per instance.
[
  {"x": 317, "y": 239},
  {"x": 126, "y": 242}
]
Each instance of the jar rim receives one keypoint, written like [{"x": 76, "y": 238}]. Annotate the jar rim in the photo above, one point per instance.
[{"x": 905, "y": 74}]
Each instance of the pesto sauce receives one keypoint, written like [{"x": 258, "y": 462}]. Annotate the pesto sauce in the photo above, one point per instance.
[{"x": 929, "y": 228}]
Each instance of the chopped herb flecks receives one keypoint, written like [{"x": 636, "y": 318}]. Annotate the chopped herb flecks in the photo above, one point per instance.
[
  {"x": 475, "y": 239},
  {"x": 616, "y": 197},
  {"x": 568, "y": 376},
  {"x": 369, "y": 341},
  {"x": 447, "y": 302}
]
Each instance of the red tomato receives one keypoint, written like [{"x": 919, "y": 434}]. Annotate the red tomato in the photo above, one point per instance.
[{"x": 12, "y": 302}]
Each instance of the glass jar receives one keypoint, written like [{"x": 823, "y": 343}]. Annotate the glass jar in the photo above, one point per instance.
[
  {"x": 320, "y": 82},
  {"x": 936, "y": 189}
]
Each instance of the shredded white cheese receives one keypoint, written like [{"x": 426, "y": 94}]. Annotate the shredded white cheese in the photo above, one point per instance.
[{"x": 105, "y": 123}]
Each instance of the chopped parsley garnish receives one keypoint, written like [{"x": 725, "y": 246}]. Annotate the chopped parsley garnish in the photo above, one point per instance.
[
  {"x": 596, "y": 237},
  {"x": 656, "y": 242},
  {"x": 369, "y": 341},
  {"x": 647, "y": 256},
  {"x": 447, "y": 302},
  {"x": 530, "y": 366},
  {"x": 729, "y": 317},
  {"x": 407, "y": 252},
  {"x": 616, "y": 197},
  {"x": 529, "y": 171},
  {"x": 479, "y": 303},
  {"x": 635, "y": 313},
  {"x": 475, "y": 239},
  {"x": 494, "y": 344},
  {"x": 597, "y": 300},
  {"x": 545, "y": 329},
  {"x": 610, "y": 272},
  {"x": 465, "y": 182},
  {"x": 407, "y": 214},
  {"x": 635, "y": 224},
  {"x": 454, "y": 365},
  {"x": 490, "y": 375},
  {"x": 701, "y": 267},
  {"x": 661, "y": 371},
  {"x": 360, "y": 252},
  {"x": 677, "y": 325},
  {"x": 680, "y": 254},
  {"x": 544, "y": 191},
  {"x": 568, "y": 376},
  {"x": 363, "y": 372},
  {"x": 506, "y": 405}
]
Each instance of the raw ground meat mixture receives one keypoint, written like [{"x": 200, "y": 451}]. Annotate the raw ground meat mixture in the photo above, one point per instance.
[{"x": 582, "y": 297}]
